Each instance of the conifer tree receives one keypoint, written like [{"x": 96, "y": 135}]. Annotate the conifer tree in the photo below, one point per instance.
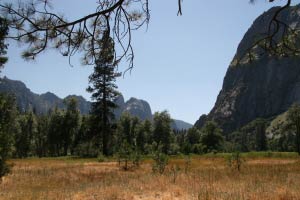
[
  {"x": 24, "y": 140},
  {"x": 162, "y": 130},
  {"x": 8, "y": 115},
  {"x": 294, "y": 118},
  {"x": 55, "y": 132},
  {"x": 71, "y": 124},
  {"x": 40, "y": 139},
  {"x": 8, "y": 110},
  {"x": 261, "y": 138},
  {"x": 104, "y": 93},
  {"x": 211, "y": 137}
]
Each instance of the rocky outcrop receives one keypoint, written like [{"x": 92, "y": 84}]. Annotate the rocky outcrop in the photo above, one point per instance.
[
  {"x": 263, "y": 88},
  {"x": 27, "y": 100},
  {"x": 138, "y": 108}
]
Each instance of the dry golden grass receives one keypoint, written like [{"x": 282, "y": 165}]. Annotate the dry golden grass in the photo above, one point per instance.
[{"x": 207, "y": 178}]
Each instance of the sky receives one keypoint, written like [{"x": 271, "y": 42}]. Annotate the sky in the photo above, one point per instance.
[{"x": 180, "y": 61}]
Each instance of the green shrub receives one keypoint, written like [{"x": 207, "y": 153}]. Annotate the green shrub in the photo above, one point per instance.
[
  {"x": 101, "y": 157},
  {"x": 161, "y": 160}
]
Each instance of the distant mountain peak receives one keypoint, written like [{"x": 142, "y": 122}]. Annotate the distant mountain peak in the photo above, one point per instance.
[{"x": 43, "y": 103}]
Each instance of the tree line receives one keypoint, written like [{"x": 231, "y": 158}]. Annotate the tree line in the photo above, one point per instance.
[
  {"x": 63, "y": 132},
  {"x": 66, "y": 132}
]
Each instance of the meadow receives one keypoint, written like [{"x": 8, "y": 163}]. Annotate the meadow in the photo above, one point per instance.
[{"x": 269, "y": 176}]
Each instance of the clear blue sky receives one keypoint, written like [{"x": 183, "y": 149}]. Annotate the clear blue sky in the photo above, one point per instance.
[{"x": 180, "y": 62}]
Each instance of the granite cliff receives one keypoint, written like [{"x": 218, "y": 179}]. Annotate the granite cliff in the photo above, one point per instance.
[{"x": 262, "y": 88}]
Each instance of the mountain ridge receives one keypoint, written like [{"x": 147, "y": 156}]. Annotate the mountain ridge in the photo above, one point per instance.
[{"x": 42, "y": 103}]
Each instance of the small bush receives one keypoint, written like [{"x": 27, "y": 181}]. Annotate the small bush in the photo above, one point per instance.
[
  {"x": 100, "y": 157},
  {"x": 161, "y": 160},
  {"x": 136, "y": 158}
]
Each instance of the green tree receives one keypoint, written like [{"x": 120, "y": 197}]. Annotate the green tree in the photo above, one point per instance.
[
  {"x": 104, "y": 91},
  {"x": 294, "y": 118},
  {"x": 24, "y": 139},
  {"x": 71, "y": 124},
  {"x": 148, "y": 131},
  {"x": 190, "y": 141},
  {"x": 55, "y": 133},
  {"x": 162, "y": 130},
  {"x": 127, "y": 133},
  {"x": 40, "y": 139},
  {"x": 8, "y": 123},
  {"x": 7, "y": 108},
  {"x": 141, "y": 139},
  {"x": 84, "y": 144},
  {"x": 260, "y": 133},
  {"x": 211, "y": 136},
  {"x": 193, "y": 136}
]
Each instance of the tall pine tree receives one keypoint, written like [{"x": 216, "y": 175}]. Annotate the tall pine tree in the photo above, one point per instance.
[{"x": 104, "y": 91}]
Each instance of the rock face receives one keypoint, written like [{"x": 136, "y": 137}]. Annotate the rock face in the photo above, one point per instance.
[
  {"x": 180, "y": 125},
  {"x": 138, "y": 108},
  {"x": 27, "y": 100},
  {"x": 121, "y": 104},
  {"x": 262, "y": 88}
]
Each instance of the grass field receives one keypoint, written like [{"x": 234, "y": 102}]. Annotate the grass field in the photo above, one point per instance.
[{"x": 262, "y": 176}]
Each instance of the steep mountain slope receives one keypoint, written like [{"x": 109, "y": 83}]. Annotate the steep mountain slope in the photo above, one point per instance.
[
  {"x": 27, "y": 100},
  {"x": 263, "y": 88},
  {"x": 180, "y": 125}
]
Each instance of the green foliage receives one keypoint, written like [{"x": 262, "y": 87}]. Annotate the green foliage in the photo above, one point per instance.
[
  {"x": 40, "y": 139},
  {"x": 251, "y": 137},
  {"x": 193, "y": 136},
  {"x": 211, "y": 137},
  {"x": 55, "y": 132},
  {"x": 24, "y": 138},
  {"x": 104, "y": 92},
  {"x": 125, "y": 155},
  {"x": 8, "y": 126},
  {"x": 84, "y": 143},
  {"x": 294, "y": 118},
  {"x": 71, "y": 124},
  {"x": 130, "y": 143},
  {"x": 100, "y": 157},
  {"x": 161, "y": 160},
  {"x": 162, "y": 130},
  {"x": 261, "y": 139}
]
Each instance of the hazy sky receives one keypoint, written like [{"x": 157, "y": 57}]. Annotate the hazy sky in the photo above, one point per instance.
[{"x": 180, "y": 62}]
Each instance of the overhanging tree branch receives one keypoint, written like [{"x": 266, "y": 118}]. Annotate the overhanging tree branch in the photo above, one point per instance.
[
  {"x": 32, "y": 23},
  {"x": 280, "y": 39}
]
